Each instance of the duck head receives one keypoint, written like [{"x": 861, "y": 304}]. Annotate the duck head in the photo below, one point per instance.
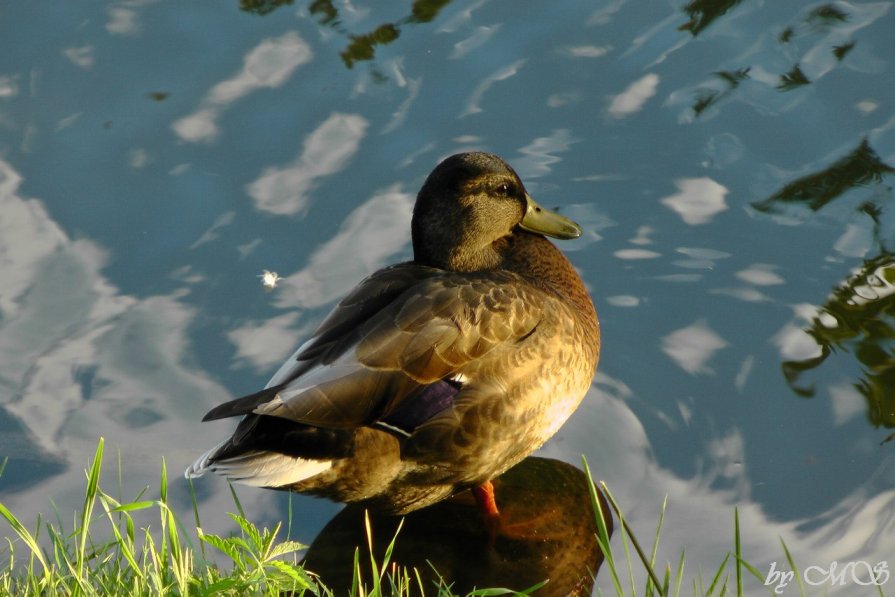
[{"x": 469, "y": 207}]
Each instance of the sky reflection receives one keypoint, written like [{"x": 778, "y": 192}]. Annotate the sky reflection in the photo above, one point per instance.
[
  {"x": 327, "y": 150},
  {"x": 731, "y": 164},
  {"x": 268, "y": 65}
]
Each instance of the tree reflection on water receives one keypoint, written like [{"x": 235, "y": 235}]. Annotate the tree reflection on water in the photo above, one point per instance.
[
  {"x": 361, "y": 47},
  {"x": 859, "y": 317}
]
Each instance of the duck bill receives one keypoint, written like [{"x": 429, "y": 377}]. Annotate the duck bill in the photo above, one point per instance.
[{"x": 549, "y": 223}]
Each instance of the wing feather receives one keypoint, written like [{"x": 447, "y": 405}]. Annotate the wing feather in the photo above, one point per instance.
[{"x": 400, "y": 330}]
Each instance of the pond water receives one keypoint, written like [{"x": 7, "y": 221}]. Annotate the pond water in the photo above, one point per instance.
[{"x": 731, "y": 163}]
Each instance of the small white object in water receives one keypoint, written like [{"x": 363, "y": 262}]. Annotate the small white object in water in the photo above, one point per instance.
[{"x": 269, "y": 279}]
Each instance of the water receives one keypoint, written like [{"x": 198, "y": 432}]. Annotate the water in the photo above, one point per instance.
[{"x": 731, "y": 164}]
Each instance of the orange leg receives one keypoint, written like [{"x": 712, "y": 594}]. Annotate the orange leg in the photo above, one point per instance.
[{"x": 484, "y": 497}]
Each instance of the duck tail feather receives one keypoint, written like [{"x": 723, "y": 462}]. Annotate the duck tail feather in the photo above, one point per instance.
[
  {"x": 243, "y": 405},
  {"x": 203, "y": 463},
  {"x": 267, "y": 469}
]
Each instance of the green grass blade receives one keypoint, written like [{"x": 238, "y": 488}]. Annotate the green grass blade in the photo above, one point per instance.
[
  {"x": 718, "y": 574},
  {"x": 356, "y": 578},
  {"x": 601, "y": 517},
  {"x": 793, "y": 567},
  {"x": 125, "y": 546},
  {"x": 391, "y": 545},
  {"x": 87, "y": 511},
  {"x": 195, "y": 503},
  {"x": 753, "y": 571},
  {"x": 236, "y": 500},
  {"x": 130, "y": 507},
  {"x": 629, "y": 533},
  {"x": 374, "y": 567},
  {"x": 289, "y": 515},
  {"x": 738, "y": 551},
  {"x": 679, "y": 575},
  {"x": 267, "y": 541},
  {"x": 25, "y": 535},
  {"x": 648, "y": 590}
]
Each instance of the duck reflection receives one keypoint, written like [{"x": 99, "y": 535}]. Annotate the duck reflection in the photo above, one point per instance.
[{"x": 547, "y": 531}]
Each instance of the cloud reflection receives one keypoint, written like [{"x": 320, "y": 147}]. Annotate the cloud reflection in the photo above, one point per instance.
[
  {"x": 82, "y": 56},
  {"x": 268, "y": 65},
  {"x": 9, "y": 86},
  {"x": 400, "y": 114},
  {"x": 693, "y": 346},
  {"x": 80, "y": 359},
  {"x": 620, "y": 452},
  {"x": 698, "y": 200},
  {"x": 367, "y": 240},
  {"x": 588, "y": 51},
  {"x": 369, "y": 237},
  {"x": 123, "y": 20},
  {"x": 266, "y": 344},
  {"x": 472, "y": 105},
  {"x": 327, "y": 150},
  {"x": 222, "y": 221},
  {"x": 793, "y": 342},
  {"x": 479, "y": 37},
  {"x": 633, "y": 98},
  {"x": 636, "y": 254},
  {"x": 760, "y": 274},
  {"x": 539, "y": 155}
]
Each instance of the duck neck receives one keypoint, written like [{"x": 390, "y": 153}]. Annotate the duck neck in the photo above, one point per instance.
[
  {"x": 544, "y": 265},
  {"x": 458, "y": 257}
]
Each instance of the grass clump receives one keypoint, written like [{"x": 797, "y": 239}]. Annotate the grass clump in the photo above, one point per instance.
[
  {"x": 105, "y": 553},
  {"x": 668, "y": 583},
  {"x": 142, "y": 562}
]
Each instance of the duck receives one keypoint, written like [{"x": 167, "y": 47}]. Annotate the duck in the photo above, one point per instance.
[{"x": 435, "y": 375}]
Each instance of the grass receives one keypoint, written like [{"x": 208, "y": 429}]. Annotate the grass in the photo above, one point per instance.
[
  {"x": 105, "y": 553},
  {"x": 670, "y": 583}
]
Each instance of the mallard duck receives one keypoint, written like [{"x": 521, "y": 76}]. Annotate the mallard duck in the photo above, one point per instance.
[{"x": 434, "y": 375}]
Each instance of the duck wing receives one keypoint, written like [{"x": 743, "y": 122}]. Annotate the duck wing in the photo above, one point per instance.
[
  {"x": 395, "y": 349},
  {"x": 338, "y": 331}
]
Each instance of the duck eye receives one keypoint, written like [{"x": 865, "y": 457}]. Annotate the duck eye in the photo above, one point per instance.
[{"x": 503, "y": 189}]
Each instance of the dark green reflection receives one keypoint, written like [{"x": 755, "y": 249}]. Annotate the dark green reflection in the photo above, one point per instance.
[
  {"x": 794, "y": 78},
  {"x": 729, "y": 79},
  {"x": 361, "y": 47},
  {"x": 703, "y": 12},
  {"x": 860, "y": 167},
  {"x": 859, "y": 319},
  {"x": 842, "y": 50},
  {"x": 326, "y": 13},
  {"x": 547, "y": 531},
  {"x": 262, "y": 7},
  {"x": 828, "y": 14}
]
